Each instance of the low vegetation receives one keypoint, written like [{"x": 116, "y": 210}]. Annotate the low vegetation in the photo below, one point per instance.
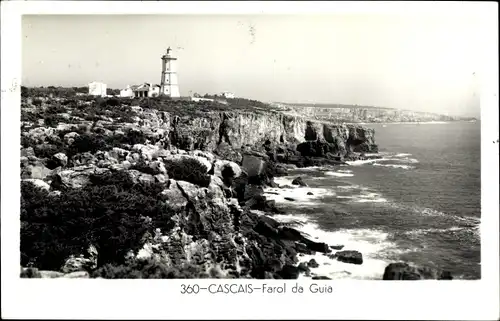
[{"x": 110, "y": 214}]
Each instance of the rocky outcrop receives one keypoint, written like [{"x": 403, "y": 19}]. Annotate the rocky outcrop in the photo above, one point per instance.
[
  {"x": 206, "y": 171},
  {"x": 361, "y": 114},
  {"x": 239, "y": 129},
  {"x": 353, "y": 257},
  {"x": 406, "y": 271}
]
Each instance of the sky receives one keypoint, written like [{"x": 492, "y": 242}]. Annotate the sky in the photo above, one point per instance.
[{"x": 422, "y": 63}]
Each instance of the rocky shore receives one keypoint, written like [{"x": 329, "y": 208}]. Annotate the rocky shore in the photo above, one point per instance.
[{"x": 115, "y": 188}]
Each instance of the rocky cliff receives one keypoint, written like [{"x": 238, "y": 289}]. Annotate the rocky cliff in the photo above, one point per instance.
[
  {"x": 240, "y": 129},
  {"x": 360, "y": 114},
  {"x": 164, "y": 191},
  {"x": 111, "y": 189}
]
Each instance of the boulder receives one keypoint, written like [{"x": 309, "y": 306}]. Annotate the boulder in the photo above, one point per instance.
[
  {"x": 298, "y": 181},
  {"x": 69, "y": 138},
  {"x": 161, "y": 178},
  {"x": 317, "y": 246},
  {"x": 51, "y": 274},
  {"x": 303, "y": 267},
  {"x": 38, "y": 183},
  {"x": 253, "y": 165},
  {"x": 36, "y": 171},
  {"x": 336, "y": 247},
  {"x": 320, "y": 277},
  {"x": 260, "y": 203},
  {"x": 119, "y": 153},
  {"x": 353, "y": 257},
  {"x": 289, "y": 272},
  {"x": 158, "y": 167},
  {"x": 227, "y": 171},
  {"x": 77, "y": 275},
  {"x": 405, "y": 271},
  {"x": 312, "y": 263},
  {"x": 81, "y": 263},
  {"x": 86, "y": 158},
  {"x": 27, "y": 152},
  {"x": 60, "y": 159},
  {"x": 76, "y": 177}
]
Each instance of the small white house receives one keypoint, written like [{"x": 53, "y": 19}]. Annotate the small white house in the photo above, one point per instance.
[
  {"x": 227, "y": 94},
  {"x": 97, "y": 89},
  {"x": 127, "y": 92}
]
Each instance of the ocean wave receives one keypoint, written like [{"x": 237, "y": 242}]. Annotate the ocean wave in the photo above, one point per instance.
[
  {"x": 372, "y": 244},
  {"x": 408, "y": 160},
  {"x": 366, "y": 161},
  {"x": 363, "y": 197},
  {"x": 312, "y": 168},
  {"x": 338, "y": 174},
  {"x": 298, "y": 195},
  {"x": 474, "y": 229},
  {"x": 350, "y": 187},
  {"x": 394, "y": 166},
  {"x": 402, "y": 155}
]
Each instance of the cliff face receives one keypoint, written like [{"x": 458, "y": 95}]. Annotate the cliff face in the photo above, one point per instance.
[
  {"x": 250, "y": 129},
  {"x": 365, "y": 114}
]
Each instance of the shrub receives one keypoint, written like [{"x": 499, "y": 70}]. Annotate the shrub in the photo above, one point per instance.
[
  {"x": 148, "y": 269},
  {"x": 47, "y": 150},
  {"x": 131, "y": 137},
  {"x": 51, "y": 120},
  {"x": 29, "y": 116},
  {"x": 88, "y": 143},
  {"x": 37, "y": 102},
  {"x": 55, "y": 109},
  {"x": 142, "y": 167},
  {"x": 189, "y": 170},
  {"x": 108, "y": 216}
]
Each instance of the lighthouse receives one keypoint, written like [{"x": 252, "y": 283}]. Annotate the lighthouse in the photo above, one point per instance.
[{"x": 169, "y": 85}]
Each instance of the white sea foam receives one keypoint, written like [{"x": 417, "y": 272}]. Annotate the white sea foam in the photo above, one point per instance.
[
  {"x": 346, "y": 197},
  {"x": 473, "y": 229},
  {"x": 350, "y": 187},
  {"x": 366, "y": 161},
  {"x": 372, "y": 245},
  {"x": 402, "y": 155},
  {"x": 284, "y": 180},
  {"x": 344, "y": 171},
  {"x": 363, "y": 197},
  {"x": 394, "y": 166},
  {"x": 298, "y": 195},
  {"x": 311, "y": 169},
  {"x": 338, "y": 174},
  {"x": 373, "y": 200},
  {"x": 370, "y": 198}
]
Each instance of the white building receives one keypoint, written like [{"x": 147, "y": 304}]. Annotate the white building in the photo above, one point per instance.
[
  {"x": 127, "y": 92},
  {"x": 143, "y": 90},
  {"x": 227, "y": 94},
  {"x": 97, "y": 89}
]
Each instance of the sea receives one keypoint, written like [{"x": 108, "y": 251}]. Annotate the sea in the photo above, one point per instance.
[{"x": 419, "y": 203}]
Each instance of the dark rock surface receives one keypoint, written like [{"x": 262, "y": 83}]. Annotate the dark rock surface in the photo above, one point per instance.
[
  {"x": 299, "y": 181},
  {"x": 405, "y": 271},
  {"x": 353, "y": 257}
]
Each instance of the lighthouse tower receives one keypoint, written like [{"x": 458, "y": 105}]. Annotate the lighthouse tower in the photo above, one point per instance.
[{"x": 169, "y": 84}]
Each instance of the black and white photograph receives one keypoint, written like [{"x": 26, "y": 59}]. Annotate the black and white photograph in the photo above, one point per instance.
[{"x": 242, "y": 147}]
